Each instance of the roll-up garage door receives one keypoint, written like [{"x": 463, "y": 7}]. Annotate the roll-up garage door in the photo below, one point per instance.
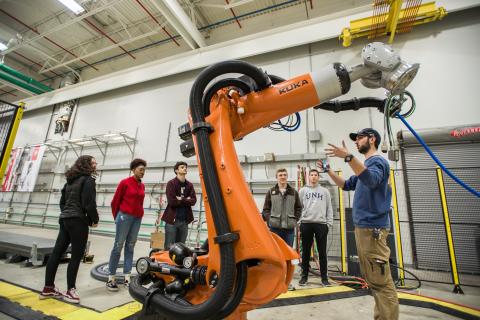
[{"x": 459, "y": 151}]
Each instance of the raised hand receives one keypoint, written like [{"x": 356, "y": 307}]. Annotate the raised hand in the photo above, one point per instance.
[{"x": 334, "y": 151}]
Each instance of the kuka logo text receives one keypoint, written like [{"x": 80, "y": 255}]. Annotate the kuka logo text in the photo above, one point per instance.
[{"x": 292, "y": 86}]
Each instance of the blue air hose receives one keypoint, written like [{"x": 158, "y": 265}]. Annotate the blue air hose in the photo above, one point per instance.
[{"x": 434, "y": 157}]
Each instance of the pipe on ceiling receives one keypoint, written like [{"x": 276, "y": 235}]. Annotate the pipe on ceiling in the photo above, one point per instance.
[
  {"x": 25, "y": 78},
  {"x": 18, "y": 83}
]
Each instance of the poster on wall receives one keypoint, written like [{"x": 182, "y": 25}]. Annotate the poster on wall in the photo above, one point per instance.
[
  {"x": 11, "y": 172},
  {"x": 30, "y": 169}
]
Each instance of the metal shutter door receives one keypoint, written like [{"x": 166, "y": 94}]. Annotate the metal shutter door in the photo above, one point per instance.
[{"x": 428, "y": 232}]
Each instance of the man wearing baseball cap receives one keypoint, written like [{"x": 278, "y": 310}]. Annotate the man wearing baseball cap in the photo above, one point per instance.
[{"x": 371, "y": 205}]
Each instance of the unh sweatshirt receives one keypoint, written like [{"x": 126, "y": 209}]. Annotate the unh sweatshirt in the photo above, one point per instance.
[{"x": 317, "y": 205}]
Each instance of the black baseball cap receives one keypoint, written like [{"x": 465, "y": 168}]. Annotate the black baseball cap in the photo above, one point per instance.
[{"x": 367, "y": 132}]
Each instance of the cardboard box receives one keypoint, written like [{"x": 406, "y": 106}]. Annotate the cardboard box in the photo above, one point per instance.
[{"x": 157, "y": 240}]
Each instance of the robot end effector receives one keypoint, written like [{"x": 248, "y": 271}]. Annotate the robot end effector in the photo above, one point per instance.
[{"x": 383, "y": 68}]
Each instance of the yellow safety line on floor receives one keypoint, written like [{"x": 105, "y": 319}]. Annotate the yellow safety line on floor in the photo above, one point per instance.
[
  {"x": 123, "y": 311},
  {"x": 30, "y": 299},
  {"x": 61, "y": 309},
  {"x": 66, "y": 311},
  {"x": 82, "y": 314},
  {"x": 450, "y": 305},
  {"x": 314, "y": 292}
]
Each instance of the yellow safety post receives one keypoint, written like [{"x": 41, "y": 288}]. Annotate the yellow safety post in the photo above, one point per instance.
[
  {"x": 448, "y": 231},
  {"x": 343, "y": 239},
  {"x": 397, "y": 227},
  {"x": 11, "y": 138}
]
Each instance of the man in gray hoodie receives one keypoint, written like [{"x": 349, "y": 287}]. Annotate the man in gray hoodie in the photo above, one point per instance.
[{"x": 316, "y": 219}]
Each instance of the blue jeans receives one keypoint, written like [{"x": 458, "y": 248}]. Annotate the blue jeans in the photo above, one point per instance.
[
  {"x": 286, "y": 234},
  {"x": 126, "y": 232},
  {"x": 176, "y": 232}
]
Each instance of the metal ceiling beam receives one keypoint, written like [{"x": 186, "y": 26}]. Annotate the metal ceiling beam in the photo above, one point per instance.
[
  {"x": 91, "y": 24},
  {"x": 234, "y": 15},
  {"x": 157, "y": 22},
  {"x": 34, "y": 62},
  {"x": 46, "y": 38},
  {"x": 160, "y": 6},
  {"x": 178, "y": 12},
  {"x": 49, "y": 57},
  {"x": 65, "y": 64},
  {"x": 62, "y": 26},
  {"x": 195, "y": 13}
]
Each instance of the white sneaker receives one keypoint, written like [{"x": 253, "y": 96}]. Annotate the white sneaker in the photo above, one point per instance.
[
  {"x": 126, "y": 282},
  {"x": 71, "y": 296}
]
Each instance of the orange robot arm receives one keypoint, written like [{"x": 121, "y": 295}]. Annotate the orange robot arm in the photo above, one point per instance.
[{"x": 246, "y": 265}]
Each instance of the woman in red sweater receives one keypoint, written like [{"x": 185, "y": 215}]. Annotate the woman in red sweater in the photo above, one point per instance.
[{"x": 127, "y": 210}]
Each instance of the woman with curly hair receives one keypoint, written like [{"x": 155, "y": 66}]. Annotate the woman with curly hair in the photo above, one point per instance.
[
  {"x": 127, "y": 210},
  {"x": 78, "y": 212}
]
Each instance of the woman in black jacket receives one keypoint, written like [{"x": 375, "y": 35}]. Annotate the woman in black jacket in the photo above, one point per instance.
[{"x": 78, "y": 212}]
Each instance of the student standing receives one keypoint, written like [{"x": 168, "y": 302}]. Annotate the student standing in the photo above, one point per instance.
[
  {"x": 178, "y": 213},
  {"x": 127, "y": 210},
  {"x": 78, "y": 212},
  {"x": 316, "y": 220}
]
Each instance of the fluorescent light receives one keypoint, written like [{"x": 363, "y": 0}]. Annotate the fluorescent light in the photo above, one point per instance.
[
  {"x": 3, "y": 47},
  {"x": 72, "y": 5}
]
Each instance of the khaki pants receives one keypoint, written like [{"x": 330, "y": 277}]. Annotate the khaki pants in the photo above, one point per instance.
[{"x": 374, "y": 255}]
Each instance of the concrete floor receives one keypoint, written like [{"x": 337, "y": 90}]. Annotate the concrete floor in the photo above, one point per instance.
[{"x": 94, "y": 294}]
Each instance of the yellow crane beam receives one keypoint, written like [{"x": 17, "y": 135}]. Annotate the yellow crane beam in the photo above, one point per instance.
[{"x": 363, "y": 27}]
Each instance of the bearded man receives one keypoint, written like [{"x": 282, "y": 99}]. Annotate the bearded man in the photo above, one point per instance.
[{"x": 371, "y": 206}]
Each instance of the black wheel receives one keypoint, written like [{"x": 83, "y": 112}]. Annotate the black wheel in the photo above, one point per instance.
[{"x": 100, "y": 272}]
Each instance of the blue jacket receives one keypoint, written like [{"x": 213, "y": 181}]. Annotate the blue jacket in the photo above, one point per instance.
[{"x": 371, "y": 203}]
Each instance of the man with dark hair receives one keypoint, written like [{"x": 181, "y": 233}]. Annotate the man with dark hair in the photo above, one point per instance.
[
  {"x": 316, "y": 219},
  {"x": 282, "y": 208},
  {"x": 371, "y": 205},
  {"x": 178, "y": 214}
]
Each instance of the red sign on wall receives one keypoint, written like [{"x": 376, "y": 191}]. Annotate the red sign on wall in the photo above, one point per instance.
[{"x": 465, "y": 132}]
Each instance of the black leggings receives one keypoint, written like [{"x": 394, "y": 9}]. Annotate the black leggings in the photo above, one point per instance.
[
  {"x": 320, "y": 230},
  {"x": 74, "y": 231}
]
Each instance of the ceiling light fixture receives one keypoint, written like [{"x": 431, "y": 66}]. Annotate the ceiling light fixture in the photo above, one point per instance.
[{"x": 72, "y": 5}]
